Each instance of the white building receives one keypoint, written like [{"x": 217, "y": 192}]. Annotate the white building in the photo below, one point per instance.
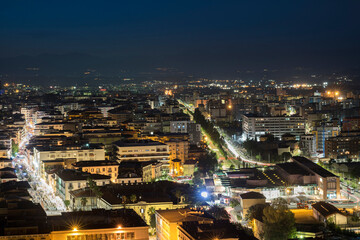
[
  {"x": 142, "y": 151},
  {"x": 69, "y": 180},
  {"x": 255, "y": 126},
  {"x": 308, "y": 145},
  {"x": 87, "y": 152},
  {"x": 193, "y": 129}
]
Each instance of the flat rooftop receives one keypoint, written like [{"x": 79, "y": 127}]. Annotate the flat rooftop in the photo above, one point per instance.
[
  {"x": 184, "y": 215},
  {"x": 96, "y": 219},
  {"x": 95, "y": 163},
  {"x": 69, "y": 147},
  {"x": 75, "y": 175},
  {"x": 138, "y": 143},
  {"x": 293, "y": 168},
  {"x": 313, "y": 167}
]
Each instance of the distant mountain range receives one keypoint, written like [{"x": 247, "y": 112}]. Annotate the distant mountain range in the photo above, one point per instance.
[{"x": 65, "y": 69}]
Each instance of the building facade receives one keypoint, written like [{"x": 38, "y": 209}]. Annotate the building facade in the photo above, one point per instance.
[{"x": 256, "y": 126}]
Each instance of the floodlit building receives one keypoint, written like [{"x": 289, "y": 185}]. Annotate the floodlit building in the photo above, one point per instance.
[
  {"x": 255, "y": 126},
  {"x": 326, "y": 212},
  {"x": 142, "y": 151},
  {"x": 250, "y": 199},
  {"x": 68, "y": 180},
  {"x": 168, "y": 221},
  {"x": 108, "y": 168},
  {"x": 95, "y": 224},
  {"x": 328, "y": 183},
  {"x": 87, "y": 152}
]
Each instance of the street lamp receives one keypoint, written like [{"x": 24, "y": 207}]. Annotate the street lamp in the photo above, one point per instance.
[{"x": 204, "y": 194}]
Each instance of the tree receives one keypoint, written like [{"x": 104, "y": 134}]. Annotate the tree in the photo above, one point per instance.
[
  {"x": 113, "y": 152},
  {"x": 94, "y": 188},
  {"x": 234, "y": 203},
  {"x": 124, "y": 200},
  {"x": 279, "y": 203},
  {"x": 133, "y": 198},
  {"x": 255, "y": 212},
  {"x": 151, "y": 213},
  {"x": 232, "y": 167},
  {"x": 210, "y": 130},
  {"x": 178, "y": 195},
  {"x": 279, "y": 222},
  {"x": 286, "y": 156},
  {"x": 197, "y": 178},
  {"x": 67, "y": 203},
  {"x": 269, "y": 137},
  {"x": 14, "y": 148},
  {"x": 83, "y": 202},
  {"x": 207, "y": 163},
  {"x": 219, "y": 213}
]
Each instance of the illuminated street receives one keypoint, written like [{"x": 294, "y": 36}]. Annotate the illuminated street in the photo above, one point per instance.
[
  {"x": 40, "y": 191},
  {"x": 179, "y": 120}
]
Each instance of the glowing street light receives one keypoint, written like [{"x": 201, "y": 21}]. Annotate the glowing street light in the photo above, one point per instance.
[{"x": 204, "y": 194}]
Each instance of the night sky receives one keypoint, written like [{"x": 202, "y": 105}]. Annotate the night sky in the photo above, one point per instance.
[{"x": 214, "y": 38}]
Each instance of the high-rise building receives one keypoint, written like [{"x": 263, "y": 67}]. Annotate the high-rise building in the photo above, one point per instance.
[{"x": 256, "y": 126}]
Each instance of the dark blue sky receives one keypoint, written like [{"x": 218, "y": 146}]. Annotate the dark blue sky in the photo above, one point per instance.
[{"x": 193, "y": 35}]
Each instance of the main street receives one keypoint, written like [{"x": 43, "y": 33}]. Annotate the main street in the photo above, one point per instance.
[
  {"x": 40, "y": 191},
  {"x": 235, "y": 153}
]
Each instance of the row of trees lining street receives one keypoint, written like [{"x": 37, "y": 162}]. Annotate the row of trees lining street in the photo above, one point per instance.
[
  {"x": 256, "y": 150},
  {"x": 211, "y": 131}
]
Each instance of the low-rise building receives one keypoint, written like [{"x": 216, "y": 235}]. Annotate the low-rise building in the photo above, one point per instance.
[
  {"x": 250, "y": 199},
  {"x": 140, "y": 197},
  {"x": 152, "y": 171},
  {"x": 142, "y": 151},
  {"x": 85, "y": 152},
  {"x": 168, "y": 221},
  {"x": 328, "y": 183},
  {"x": 128, "y": 178},
  {"x": 219, "y": 229},
  {"x": 326, "y": 212},
  {"x": 95, "y": 224},
  {"x": 69, "y": 179},
  {"x": 109, "y": 168},
  {"x": 5, "y": 162},
  {"x": 7, "y": 174}
]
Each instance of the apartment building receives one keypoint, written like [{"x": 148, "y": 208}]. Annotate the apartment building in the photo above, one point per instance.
[
  {"x": 343, "y": 147},
  {"x": 5, "y": 162},
  {"x": 108, "y": 168},
  {"x": 308, "y": 145},
  {"x": 168, "y": 221},
  {"x": 178, "y": 149},
  {"x": 86, "y": 152},
  {"x": 321, "y": 133},
  {"x": 152, "y": 171},
  {"x": 142, "y": 151},
  {"x": 96, "y": 224},
  {"x": 193, "y": 129},
  {"x": 45, "y": 127},
  {"x": 255, "y": 126},
  {"x": 69, "y": 180}
]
